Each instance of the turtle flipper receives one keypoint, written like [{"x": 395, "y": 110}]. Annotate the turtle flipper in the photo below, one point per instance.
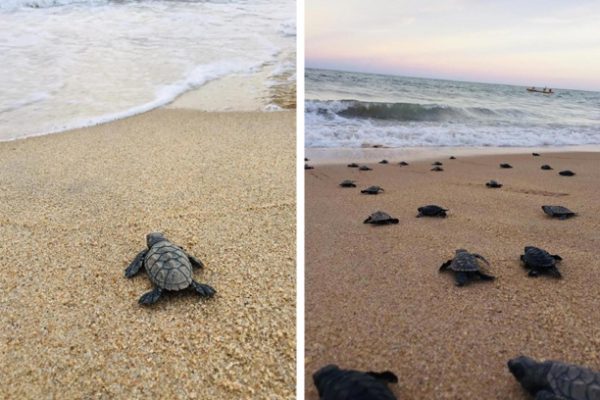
[
  {"x": 546, "y": 395},
  {"x": 461, "y": 278},
  {"x": 445, "y": 265},
  {"x": 533, "y": 273},
  {"x": 386, "y": 376},
  {"x": 481, "y": 258},
  {"x": 136, "y": 264},
  {"x": 195, "y": 262},
  {"x": 203, "y": 290},
  {"x": 486, "y": 277},
  {"x": 557, "y": 257},
  {"x": 554, "y": 272},
  {"x": 151, "y": 297},
  {"x": 366, "y": 221}
]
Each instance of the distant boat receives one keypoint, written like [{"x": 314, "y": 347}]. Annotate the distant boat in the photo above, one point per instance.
[{"x": 544, "y": 90}]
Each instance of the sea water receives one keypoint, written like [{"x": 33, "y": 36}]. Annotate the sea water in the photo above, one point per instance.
[
  {"x": 72, "y": 63},
  {"x": 348, "y": 109}
]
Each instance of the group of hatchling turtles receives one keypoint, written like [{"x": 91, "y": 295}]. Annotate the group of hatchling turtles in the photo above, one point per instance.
[
  {"x": 169, "y": 268},
  {"x": 548, "y": 380}
]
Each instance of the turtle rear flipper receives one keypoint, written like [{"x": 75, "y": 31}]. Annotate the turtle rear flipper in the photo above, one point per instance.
[
  {"x": 533, "y": 273},
  {"x": 461, "y": 278},
  {"x": 195, "y": 262},
  {"x": 203, "y": 289},
  {"x": 151, "y": 297},
  {"x": 386, "y": 376},
  {"x": 394, "y": 221},
  {"x": 136, "y": 264}
]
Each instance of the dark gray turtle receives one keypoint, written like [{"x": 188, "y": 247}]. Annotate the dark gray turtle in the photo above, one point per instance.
[
  {"x": 380, "y": 218},
  {"x": 353, "y": 165},
  {"x": 539, "y": 261},
  {"x": 555, "y": 380},
  {"x": 372, "y": 190},
  {"x": 306, "y": 166},
  {"x": 383, "y": 162},
  {"x": 466, "y": 266},
  {"x": 452, "y": 158},
  {"x": 546, "y": 167},
  {"x": 505, "y": 165},
  {"x": 168, "y": 267},
  {"x": 403, "y": 163},
  {"x": 334, "y": 383},
  {"x": 431, "y": 211},
  {"x": 364, "y": 168},
  {"x": 347, "y": 183},
  {"x": 493, "y": 184},
  {"x": 559, "y": 212},
  {"x": 438, "y": 169},
  {"x": 567, "y": 172},
  {"x": 437, "y": 163},
  {"x": 535, "y": 154},
  {"x": 306, "y": 159}
]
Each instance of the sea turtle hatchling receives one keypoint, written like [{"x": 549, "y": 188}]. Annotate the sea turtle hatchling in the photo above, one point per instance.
[
  {"x": 364, "y": 168},
  {"x": 380, "y": 218},
  {"x": 347, "y": 183},
  {"x": 505, "y": 165},
  {"x": 466, "y": 266},
  {"x": 372, "y": 190},
  {"x": 559, "y": 212},
  {"x": 306, "y": 166},
  {"x": 452, "y": 158},
  {"x": 334, "y": 383},
  {"x": 555, "y": 380},
  {"x": 437, "y": 169},
  {"x": 403, "y": 163},
  {"x": 168, "y": 267},
  {"x": 431, "y": 211},
  {"x": 383, "y": 162},
  {"x": 353, "y": 165},
  {"x": 567, "y": 172},
  {"x": 535, "y": 154},
  {"x": 546, "y": 167},
  {"x": 493, "y": 184},
  {"x": 539, "y": 261},
  {"x": 437, "y": 163}
]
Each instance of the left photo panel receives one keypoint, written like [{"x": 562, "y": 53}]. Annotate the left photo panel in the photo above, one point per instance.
[{"x": 148, "y": 199}]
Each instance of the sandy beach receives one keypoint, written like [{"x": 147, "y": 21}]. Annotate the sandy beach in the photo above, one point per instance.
[
  {"x": 375, "y": 299},
  {"x": 74, "y": 210}
]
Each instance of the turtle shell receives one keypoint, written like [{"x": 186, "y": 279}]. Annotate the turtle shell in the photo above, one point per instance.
[
  {"x": 538, "y": 258},
  {"x": 431, "y": 210},
  {"x": 347, "y": 183},
  {"x": 573, "y": 381},
  {"x": 464, "y": 262},
  {"x": 380, "y": 217},
  {"x": 168, "y": 266},
  {"x": 334, "y": 383},
  {"x": 558, "y": 211}
]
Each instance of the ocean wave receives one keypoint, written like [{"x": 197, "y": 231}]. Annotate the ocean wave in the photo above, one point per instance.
[
  {"x": 12, "y": 5},
  {"x": 288, "y": 28}
]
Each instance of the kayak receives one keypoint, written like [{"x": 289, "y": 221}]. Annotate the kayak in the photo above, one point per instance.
[{"x": 540, "y": 91}]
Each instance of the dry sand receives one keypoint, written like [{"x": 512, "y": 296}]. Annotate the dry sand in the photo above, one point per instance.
[
  {"x": 375, "y": 299},
  {"x": 74, "y": 211}
]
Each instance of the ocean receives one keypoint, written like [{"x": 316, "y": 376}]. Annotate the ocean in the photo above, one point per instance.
[
  {"x": 350, "y": 110},
  {"x": 73, "y": 63}
]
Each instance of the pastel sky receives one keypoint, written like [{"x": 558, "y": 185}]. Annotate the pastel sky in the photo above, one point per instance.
[{"x": 543, "y": 43}]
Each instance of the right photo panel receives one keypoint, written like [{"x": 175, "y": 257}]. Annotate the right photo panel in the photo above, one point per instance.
[{"x": 452, "y": 178}]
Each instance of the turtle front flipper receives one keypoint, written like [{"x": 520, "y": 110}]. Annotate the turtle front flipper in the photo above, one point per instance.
[
  {"x": 553, "y": 271},
  {"x": 136, "y": 264},
  {"x": 546, "y": 395},
  {"x": 485, "y": 277},
  {"x": 557, "y": 257},
  {"x": 445, "y": 265},
  {"x": 203, "y": 289},
  {"x": 480, "y": 257},
  {"x": 195, "y": 262},
  {"x": 385, "y": 376},
  {"x": 151, "y": 297}
]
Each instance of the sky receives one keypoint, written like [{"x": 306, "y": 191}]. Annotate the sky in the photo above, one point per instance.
[{"x": 542, "y": 43}]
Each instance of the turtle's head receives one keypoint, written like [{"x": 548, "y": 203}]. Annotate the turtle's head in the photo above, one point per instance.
[
  {"x": 153, "y": 238},
  {"x": 530, "y": 373},
  {"x": 325, "y": 375}
]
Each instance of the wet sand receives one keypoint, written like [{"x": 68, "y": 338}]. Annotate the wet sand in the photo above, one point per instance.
[
  {"x": 74, "y": 211},
  {"x": 375, "y": 299}
]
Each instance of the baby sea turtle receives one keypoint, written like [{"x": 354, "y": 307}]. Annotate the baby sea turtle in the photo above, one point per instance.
[
  {"x": 353, "y": 165},
  {"x": 546, "y": 167},
  {"x": 505, "y": 165},
  {"x": 437, "y": 169},
  {"x": 559, "y": 212},
  {"x": 334, "y": 383},
  {"x": 437, "y": 163},
  {"x": 364, "y": 168},
  {"x": 555, "y": 380},
  {"x": 306, "y": 166},
  {"x": 431, "y": 211},
  {"x": 383, "y": 162},
  {"x": 380, "y": 218},
  {"x": 493, "y": 184},
  {"x": 403, "y": 163},
  {"x": 535, "y": 154},
  {"x": 372, "y": 190},
  {"x": 347, "y": 183},
  {"x": 567, "y": 172},
  {"x": 466, "y": 266},
  {"x": 306, "y": 159},
  {"x": 452, "y": 158},
  {"x": 539, "y": 261},
  {"x": 168, "y": 267}
]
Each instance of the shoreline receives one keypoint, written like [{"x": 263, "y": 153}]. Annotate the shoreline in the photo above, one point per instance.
[{"x": 343, "y": 155}]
